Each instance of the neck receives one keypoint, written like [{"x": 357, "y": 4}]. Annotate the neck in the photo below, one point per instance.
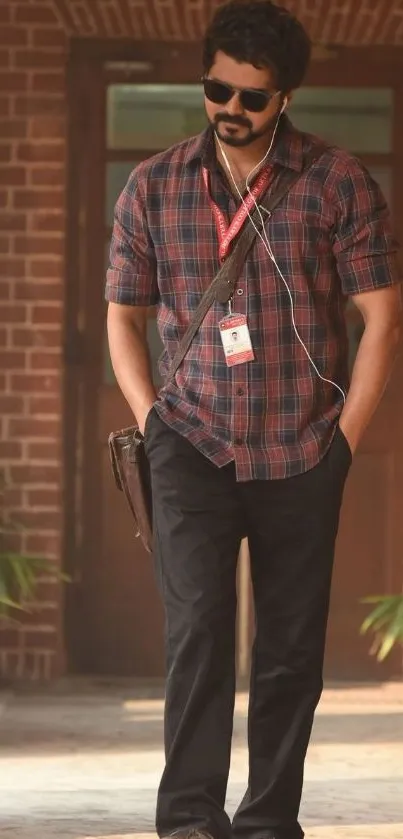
[{"x": 244, "y": 159}]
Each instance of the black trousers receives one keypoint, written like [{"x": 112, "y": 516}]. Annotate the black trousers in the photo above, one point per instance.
[{"x": 200, "y": 515}]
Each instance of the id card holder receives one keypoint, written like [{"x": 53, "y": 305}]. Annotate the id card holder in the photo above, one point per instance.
[{"x": 236, "y": 340}]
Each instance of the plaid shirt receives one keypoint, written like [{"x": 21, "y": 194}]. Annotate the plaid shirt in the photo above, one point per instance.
[{"x": 331, "y": 238}]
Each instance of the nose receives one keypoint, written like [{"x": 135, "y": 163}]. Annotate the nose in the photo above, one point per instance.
[{"x": 234, "y": 106}]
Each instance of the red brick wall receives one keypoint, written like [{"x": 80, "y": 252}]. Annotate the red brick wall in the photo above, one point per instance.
[
  {"x": 32, "y": 199},
  {"x": 352, "y": 22}
]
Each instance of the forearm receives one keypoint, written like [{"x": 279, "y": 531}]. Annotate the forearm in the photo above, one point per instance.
[
  {"x": 131, "y": 364},
  {"x": 373, "y": 366}
]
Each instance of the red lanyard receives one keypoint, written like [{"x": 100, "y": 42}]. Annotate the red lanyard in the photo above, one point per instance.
[{"x": 227, "y": 234}]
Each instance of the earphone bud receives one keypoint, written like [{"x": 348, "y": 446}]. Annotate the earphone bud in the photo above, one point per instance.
[{"x": 285, "y": 103}]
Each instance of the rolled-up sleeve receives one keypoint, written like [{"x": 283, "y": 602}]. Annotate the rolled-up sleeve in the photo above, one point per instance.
[
  {"x": 132, "y": 275},
  {"x": 364, "y": 246}
]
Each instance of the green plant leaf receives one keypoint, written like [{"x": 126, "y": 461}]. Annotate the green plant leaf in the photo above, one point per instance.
[
  {"x": 386, "y": 621},
  {"x": 381, "y": 615}
]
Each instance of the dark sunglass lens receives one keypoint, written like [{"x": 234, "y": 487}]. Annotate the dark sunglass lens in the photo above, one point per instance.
[
  {"x": 217, "y": 92},
  {"x": 254, "y": 100}
]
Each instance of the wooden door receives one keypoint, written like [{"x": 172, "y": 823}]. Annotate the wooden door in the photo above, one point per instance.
[{"x": 114, "y": 617}]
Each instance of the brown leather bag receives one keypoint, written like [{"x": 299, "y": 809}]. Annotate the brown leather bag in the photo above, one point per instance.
[{"x": 129, "y": 460}]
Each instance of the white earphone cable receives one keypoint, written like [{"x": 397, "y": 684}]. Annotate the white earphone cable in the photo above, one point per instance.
[{"x": 267, "y": 245}]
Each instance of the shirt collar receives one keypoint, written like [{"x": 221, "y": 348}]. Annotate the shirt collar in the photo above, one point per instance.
[{"x": 288, "y": 149}]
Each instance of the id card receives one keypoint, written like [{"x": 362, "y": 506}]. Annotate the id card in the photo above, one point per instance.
[{"x": 236, "y": 340}]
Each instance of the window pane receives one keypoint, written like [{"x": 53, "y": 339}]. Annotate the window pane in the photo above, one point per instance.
[
  {"x": 358, "y": 119},
  {"x": 146, "y": 116}
]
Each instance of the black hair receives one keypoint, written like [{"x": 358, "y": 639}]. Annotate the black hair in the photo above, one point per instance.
[{"x": 261, "y": 33}]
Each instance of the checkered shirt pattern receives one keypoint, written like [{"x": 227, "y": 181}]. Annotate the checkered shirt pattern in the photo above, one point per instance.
[{"x": 331, "y": 238}]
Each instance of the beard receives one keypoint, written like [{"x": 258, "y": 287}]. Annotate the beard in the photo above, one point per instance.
[{"x": 230, "y": 136}]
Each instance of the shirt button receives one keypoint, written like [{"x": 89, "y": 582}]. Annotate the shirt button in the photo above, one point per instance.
[
  {"x": 240, "y": 392},
  {"x": 238, "y": 441},
  {"x": 240, "y": 291}
]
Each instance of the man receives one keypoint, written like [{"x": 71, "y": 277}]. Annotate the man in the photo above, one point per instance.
[{"x": 259, "y": 448}]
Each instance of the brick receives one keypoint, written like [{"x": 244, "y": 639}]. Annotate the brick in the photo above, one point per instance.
[
  {"x": 13, "y": 540},
  {"x": 12, "y": 360},
  {"x": 47, "y": 176},
  {"x": 37, "y": 639},
  {"x": 31, "y": 428},
  {"x": 39, "y": 614},
  {"x": 5, "y": 106},
  {"x": 52, "y": 38},
  {"x": 5, "y": 291},
  {"x": 5, "y": 14},
  {"x": 13, "y": 81},
  {"x": 13, "y": 222},
  {"x": 45, "y": 268},
  {"x": 13, "y": 128},
  {"x": 10, "y": 637},
  {"x": 44, "y": 452},
  {"x": 48, "y": 405},
  {"x": 6, "y": 57},
  {"x": 44, "y": 361},
  {"x": 13, "y": 313},
  {"x": 35, "y": 58},
  {"x": 13, "y": 500},
  {"x": 4, "y": 198},
  {"x": 12, "y": 267},
  {"x": 35, "y": 383},
  {"x": 38, "y": 291},
  {"x": 11, "y": 404},
  {"x": 31, "y": 199},
  {"x": 5, "y": 244},
  {"x": 43, "y": 314},
  {"x": 46, "y": 128},
  {"x": 39, "y": 13},
  {"x": 45, "y": 245},
  {"x": 41, "y": 152},
  {"x": 33, "y": 105},
  {"x": 3, "y": 341},
  {"x": 5, "y": 152},
  {"x": 48, "y": 222},
  {"x": 28, "y": 474},
  {"x": 45, "y": 545},
  {"x": 10, "y": 449},
  {"x": 13, "y": 36},
  {"x": 48, "y": 82},
  {"x": 13, "y": 175},
  {"x": 44, "y": 498},
  {"x": 29, "y": 337}
]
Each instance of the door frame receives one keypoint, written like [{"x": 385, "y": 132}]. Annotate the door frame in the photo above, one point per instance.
[{"x": 93, "y": 64}]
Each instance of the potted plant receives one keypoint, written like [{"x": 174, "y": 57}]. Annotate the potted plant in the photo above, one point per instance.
[
  {"x": 18, "y": 571},
  {"x": 386, "y": 622}
]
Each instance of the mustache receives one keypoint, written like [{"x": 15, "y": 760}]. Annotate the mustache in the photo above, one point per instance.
[{"x": 233, "y": 120}]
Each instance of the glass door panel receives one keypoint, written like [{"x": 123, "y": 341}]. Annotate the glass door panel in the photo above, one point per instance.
[
  {"x": 358, "y": 119},
  {"x": 154, "y": 117}
]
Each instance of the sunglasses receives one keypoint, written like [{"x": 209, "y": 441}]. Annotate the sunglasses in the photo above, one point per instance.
[{"x": 251, "y": 100}]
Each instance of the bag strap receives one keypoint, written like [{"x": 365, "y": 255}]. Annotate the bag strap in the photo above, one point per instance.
[{"x": 223, "y": 285}]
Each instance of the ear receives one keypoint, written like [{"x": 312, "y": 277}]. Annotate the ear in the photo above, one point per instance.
[{"x": 287, "y": 100}]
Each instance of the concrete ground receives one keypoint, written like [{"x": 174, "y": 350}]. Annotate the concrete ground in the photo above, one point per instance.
[{"x": 83, "y": 760}]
